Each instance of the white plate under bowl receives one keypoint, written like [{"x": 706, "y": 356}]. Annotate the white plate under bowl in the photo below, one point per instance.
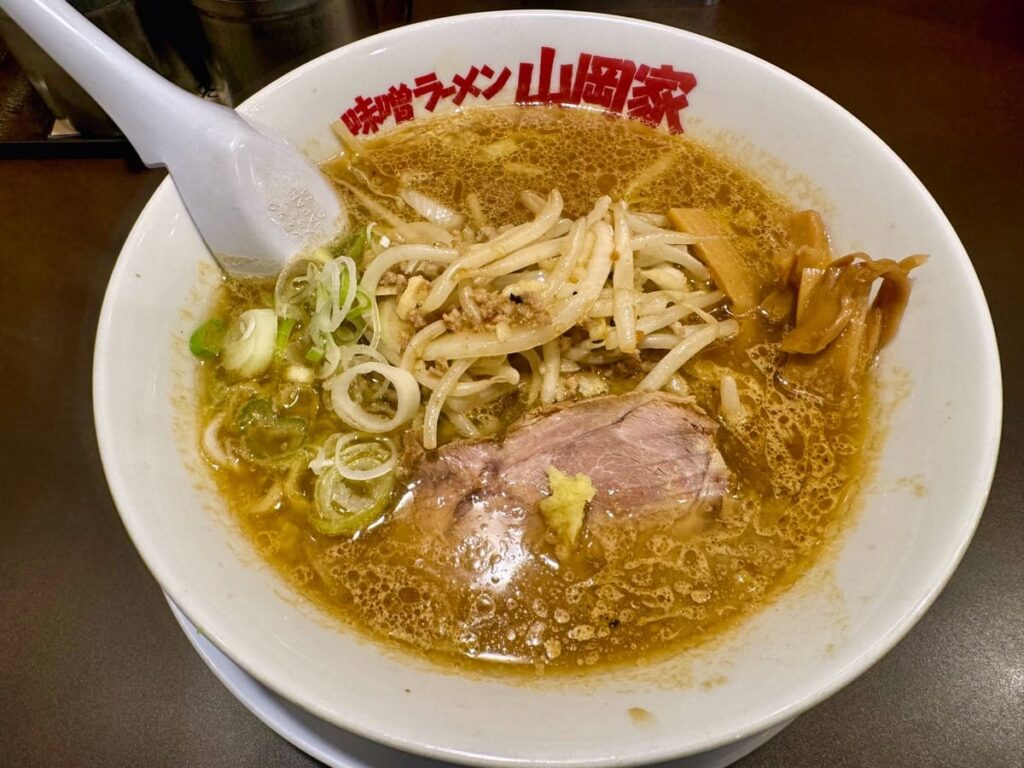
[
  {"x": 338, "y": 748},
  {"x": 917, "y": 517}
]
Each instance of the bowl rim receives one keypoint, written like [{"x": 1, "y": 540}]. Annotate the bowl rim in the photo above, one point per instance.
[{"x": 804, "y": 697}]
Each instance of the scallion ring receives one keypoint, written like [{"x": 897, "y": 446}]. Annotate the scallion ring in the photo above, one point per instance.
[
  {"x": 344, "y": 507},
  {"x": 365, "y": 460},
  {"x": 407, "y": 392}
]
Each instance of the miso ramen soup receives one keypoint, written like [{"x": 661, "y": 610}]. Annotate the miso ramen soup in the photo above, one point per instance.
[{"x": 570, "y": 391}]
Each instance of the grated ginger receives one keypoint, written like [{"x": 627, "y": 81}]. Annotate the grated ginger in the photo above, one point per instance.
[{"x": 563, "y": 509}]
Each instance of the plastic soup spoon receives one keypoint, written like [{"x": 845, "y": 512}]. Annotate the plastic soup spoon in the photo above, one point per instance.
[{"x": 256, "y": 200}]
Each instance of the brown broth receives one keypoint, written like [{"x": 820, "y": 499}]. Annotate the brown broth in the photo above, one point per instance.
[{"x": 631, "y": 592}]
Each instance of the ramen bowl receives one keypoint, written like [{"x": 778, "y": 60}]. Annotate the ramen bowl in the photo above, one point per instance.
[{"x": 939, "y": 393}]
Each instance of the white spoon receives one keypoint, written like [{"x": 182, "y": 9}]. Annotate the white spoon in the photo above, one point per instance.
[{"x": 256, "y": 200}]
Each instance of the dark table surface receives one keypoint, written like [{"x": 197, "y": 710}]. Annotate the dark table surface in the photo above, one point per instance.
[{"x": 93, "y": 669}]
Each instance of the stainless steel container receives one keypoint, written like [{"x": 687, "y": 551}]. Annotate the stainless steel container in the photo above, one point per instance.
[
  {"x": 176, "y": 37},
  {"x": 121, "y": 21},
  {"x": 62, "y": 95},
  {"x": 253, "y": 42}
]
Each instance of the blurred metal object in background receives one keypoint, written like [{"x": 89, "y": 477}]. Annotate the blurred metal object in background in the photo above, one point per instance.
[
  {"x": 253, "y": 42},
  {"x": 127, "y": 22},
  {"x": 176, "y": 37}
]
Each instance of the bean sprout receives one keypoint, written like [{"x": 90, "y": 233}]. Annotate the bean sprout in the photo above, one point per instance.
[
  {"x": 437, "y": 398},
  {"x": 442, "y": 328},
  {"x": 551, "y": 369},
  {"x": 623, "y": 300},
  {"x": 566, "y": 315},
  {"x": 483, "y": 254}
]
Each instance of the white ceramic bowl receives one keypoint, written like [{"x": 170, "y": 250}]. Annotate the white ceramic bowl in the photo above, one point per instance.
[{"x": 918, "y": 515}]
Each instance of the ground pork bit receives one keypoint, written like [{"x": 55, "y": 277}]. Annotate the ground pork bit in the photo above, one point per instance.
[
  {"x": 625, "y": 368},
  {"x": 526, "y": 308},
  {"x": 469, "y": 235},
  {"x": 427, "y": 269},
  {"x": 453, "y": 319},
  {"x": 398, "y": 277},
  {"x": 392, "y": 278},
  {"x": 577, "y": 386},
  {"x": 418, "y": 321}
]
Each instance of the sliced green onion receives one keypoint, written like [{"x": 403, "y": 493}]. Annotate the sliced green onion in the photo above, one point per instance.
[
  {"x": 366, "y": 460},
  {"x": 314, "y": 355},
  {"x": 334, "y": 294},
  {"x": 284, "y": 332},
  {"x": 352, "y": 245},
  {"x": 332, "y": 357},
  {"x": 350, "y": 332},
  {"x": 267, "y": 436},
  {"x": 344, "y": 507},
  {"x": 207, "y": 341},
  {"x": 355, "y": 251},
  {"x": 343, "y": 289},
  {"x": 294, "y": 288},
  {"x": 255, "y": 411},
  {"x": 340, "y": 247},
  {"x": 249, "y": 343},
  {"x": 360, "y": 306},
  {"x": 324, "y": 458},
  {"x": 407, "y": 392}
]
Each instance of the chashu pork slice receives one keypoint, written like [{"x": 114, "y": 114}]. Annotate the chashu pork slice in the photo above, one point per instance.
[{"x": 645, "y": 453}]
